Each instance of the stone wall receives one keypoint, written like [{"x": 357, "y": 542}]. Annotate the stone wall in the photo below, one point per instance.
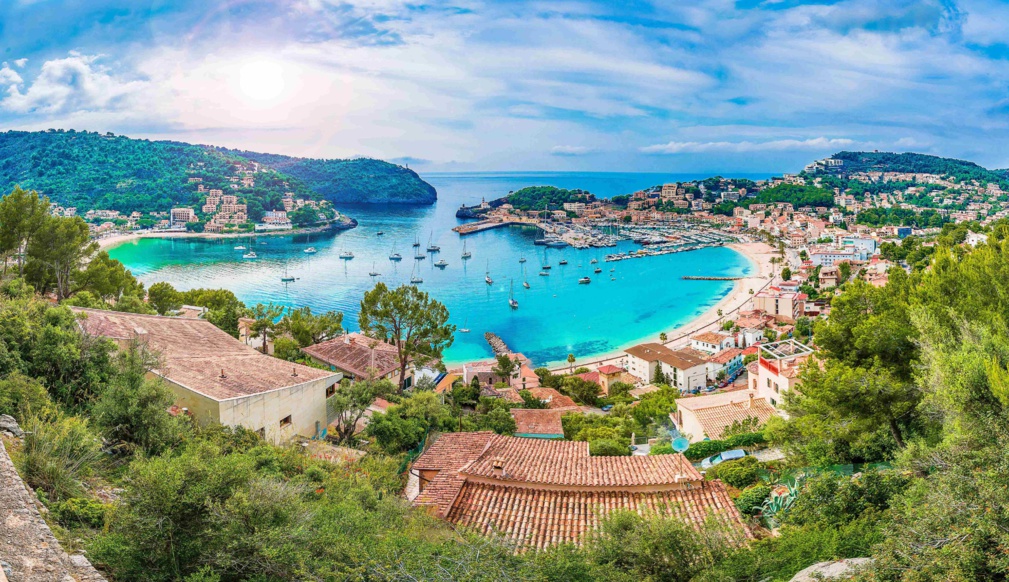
[{"x": 27, "y": 546}]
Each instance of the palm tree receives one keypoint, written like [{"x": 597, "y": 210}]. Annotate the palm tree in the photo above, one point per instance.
[
  {"x": 571, "y": 361},
  {"x": 662, "y": 337}
]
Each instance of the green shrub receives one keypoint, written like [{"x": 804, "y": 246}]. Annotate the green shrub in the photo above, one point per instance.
[
  {"x": 751, "y": 499},
  {"x": 56, "y": 454},
  {"x": 663, "y": 449},
  {"x": 21, "y": 396},
  {"x": 747, "y": 439},
  {"x": 739, "y": 473},
  {"x": 608, "y": 448},
  {"x": 704, "y": 449},
  {"x": 80, "y": 511}
]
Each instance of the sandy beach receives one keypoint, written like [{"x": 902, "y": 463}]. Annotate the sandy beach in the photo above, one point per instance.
[
  {"x": 108, "y": 242},
  {"x": 737, "y": 299}
]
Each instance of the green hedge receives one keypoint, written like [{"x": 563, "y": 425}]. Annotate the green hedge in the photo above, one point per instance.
[
  {"x": 752, "y": 498},
  {"x": 704, "y": 449}
]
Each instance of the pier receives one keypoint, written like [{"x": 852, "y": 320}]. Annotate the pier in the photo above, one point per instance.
[
  {"x": 695, "y": 278},
  {"x": 497, "y": 344},
  {"x": 474, "y": 227}
]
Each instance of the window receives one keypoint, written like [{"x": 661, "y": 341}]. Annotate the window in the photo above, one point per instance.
[
  {"x": 331, "y": 390},
  {"x": 286, "y": 421}
]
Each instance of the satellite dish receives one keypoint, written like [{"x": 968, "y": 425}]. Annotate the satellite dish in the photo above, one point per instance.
[{"x": 680, "y": 444}]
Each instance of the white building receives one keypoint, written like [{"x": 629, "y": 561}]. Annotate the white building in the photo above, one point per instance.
[{"x": 778, "y": 367}]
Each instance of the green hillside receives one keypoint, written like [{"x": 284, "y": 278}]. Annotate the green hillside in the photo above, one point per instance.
[
  {"x": 91, "y": 170},
  {"x": 917, "y": 163},
  {"x": 353, "y": 181}
]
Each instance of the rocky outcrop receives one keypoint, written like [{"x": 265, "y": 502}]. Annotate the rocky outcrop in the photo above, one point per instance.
[
  {"x": 836, "y": 570},
  {"x": 28, "y": 548},
  {"x": 9, "y": 427}
]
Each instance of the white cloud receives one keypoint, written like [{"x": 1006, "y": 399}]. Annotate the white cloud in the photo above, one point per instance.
[
  {"x": 20, "y": 63},
  {"x": 75, "y": 83},
  {"x": 9, "y": 76},
  {"x": 683, "y": 147},
  {"x": 568, "y": 150}
]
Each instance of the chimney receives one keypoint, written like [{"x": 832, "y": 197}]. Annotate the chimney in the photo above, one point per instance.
[
  {"x": 498, "y": 465},
  {"x": 346, "y": 339},
  {"x": 223, "y": 375},
  {"x": 750, "y": 403},
  {"x": 294, "y": 372}
]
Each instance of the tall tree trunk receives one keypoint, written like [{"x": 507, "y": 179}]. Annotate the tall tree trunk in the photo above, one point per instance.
[{"x": 895, "y": 431}]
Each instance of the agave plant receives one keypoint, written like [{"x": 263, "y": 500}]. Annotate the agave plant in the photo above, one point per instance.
[{"x": 780, "y": 501}]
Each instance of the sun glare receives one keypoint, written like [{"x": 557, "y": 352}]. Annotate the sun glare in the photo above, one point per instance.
[{"x": 261, "y": 80}]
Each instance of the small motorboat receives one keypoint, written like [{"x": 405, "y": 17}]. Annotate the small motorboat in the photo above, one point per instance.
[
  {"x": 544, "y": 274},
  {"x": 514, "y": 304},
  {"x": 613, "y": 278},
  {"x": 287, "y": 279},
  {"x": 598, "y": 270},
  {"x": 613, "y": 269},
  {"x": 593, "y": 261},
  {"x": 346, "y": 255},
  {"x": 547, "y": 267},
  {"x": 441, "y": 264},
  {"x": 311, "y": 250},
  {"x": 395, "y": 257},
  {"x": 488, "y": 280},
  {"x": 522, "y": 259},
  {"x": 464, "y": 330},
  {"x": 240, "y": 248},
  {"x": 525, "y": 284},
  {"x": 379, "y": 233},
  {"x": 563, "y": 262},
  {"x": 250, "y": 255},
  {"x": 584, "y": 281}
]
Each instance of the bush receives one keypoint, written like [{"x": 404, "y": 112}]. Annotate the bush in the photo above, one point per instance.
[
  {"x": 740, "y": 473},
  {"x": 20, "y": 396},
  {"x": 608, "y": 448},
  {"x": 751, "y": 499},
  {"x": 704, "y": 449},
  {"x": 55, "y": 455},
  {"x": 80, "y": 511},
  {"x": 663, "y": 449}
]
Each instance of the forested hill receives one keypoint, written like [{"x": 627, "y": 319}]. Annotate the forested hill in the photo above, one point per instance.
[
  {"x": 916, "y": 163},
  {"x": 359, "y": 180},
  {"x": 91, "y": 170}
]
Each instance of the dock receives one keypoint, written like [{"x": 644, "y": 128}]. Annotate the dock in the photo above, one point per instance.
[
  {"x": 696, "y": 278},
  {"x": 497, "y": 344},
  {"x": 475, "y": 227}
]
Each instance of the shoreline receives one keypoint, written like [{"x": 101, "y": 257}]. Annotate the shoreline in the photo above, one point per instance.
[
  {"x": 110, "y": 242},
  {"x": 759, "y": 255}
]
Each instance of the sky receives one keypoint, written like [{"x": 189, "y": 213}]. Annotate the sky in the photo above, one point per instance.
[{"x": 511, "y": 85}]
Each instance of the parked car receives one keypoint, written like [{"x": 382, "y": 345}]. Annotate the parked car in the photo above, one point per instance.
[{"x": 722, "y": 456}]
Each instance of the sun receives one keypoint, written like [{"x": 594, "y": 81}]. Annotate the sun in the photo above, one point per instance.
[{"x": 261, "y": 80}]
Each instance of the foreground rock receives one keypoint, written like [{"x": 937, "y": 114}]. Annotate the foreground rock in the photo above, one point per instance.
[
  {"x": 837, "y": 570},
  {"x": 28, "y": 549},
  {"x": 9, "y": 427}
]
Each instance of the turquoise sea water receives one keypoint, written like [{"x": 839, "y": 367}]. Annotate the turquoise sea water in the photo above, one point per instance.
[{"x": 556, "y": 316}]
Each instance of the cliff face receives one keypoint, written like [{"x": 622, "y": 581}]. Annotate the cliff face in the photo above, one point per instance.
[
  {"x": 27, "y": 544},
  {"x": 356, "y": 181}
]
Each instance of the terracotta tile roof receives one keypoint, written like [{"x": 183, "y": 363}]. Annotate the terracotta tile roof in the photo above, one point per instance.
[
  {"x": 353, "y": 353},
  {"x": 710, "y": 337},
  {"x": 537, "y": 493},
  {"x": 542, "y": 422},
  {"x": 553, "y": 399},
  {"x": 725, "y": 356},
  {"x": 537, "y": 518},
  {"x": 609, "y": 369},
  {"x": 717, "y": 412},
  {"x": 194, "y": 352},
  {"x": 589, "y": 377},
  {"x": 649, "y": 352},
  {"x": 683, "y": 359}
]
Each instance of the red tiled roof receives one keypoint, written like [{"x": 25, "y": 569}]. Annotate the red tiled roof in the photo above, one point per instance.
[
  {"x": 537, "y": 493},
  {"x": 534, "y": 421},
  {"x": 568, "y": 463},
  {"x": 553, "y": 399},
  {"x": 709, "y": 337},
  {"x": 538, "y": 519},
  {"x": 609, "y": 369},
  {"x": 195, "y": 352},
  {"x": 717, "y": 412},
  {"x": 589, "y": 377},
  {"x": 725, "y": 356},
  {"x": 353, "y": 353}
]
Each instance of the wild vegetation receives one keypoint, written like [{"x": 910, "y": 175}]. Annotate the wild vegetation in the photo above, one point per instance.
[{"x": 90, "y": 170}]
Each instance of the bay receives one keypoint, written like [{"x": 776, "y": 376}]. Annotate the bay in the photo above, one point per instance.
[{"x": 556, "y": 315}]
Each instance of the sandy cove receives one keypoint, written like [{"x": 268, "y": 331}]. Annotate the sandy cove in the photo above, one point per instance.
[
  {"x": 108, "y": 242},
  {"x": 737, "y": 299}
]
